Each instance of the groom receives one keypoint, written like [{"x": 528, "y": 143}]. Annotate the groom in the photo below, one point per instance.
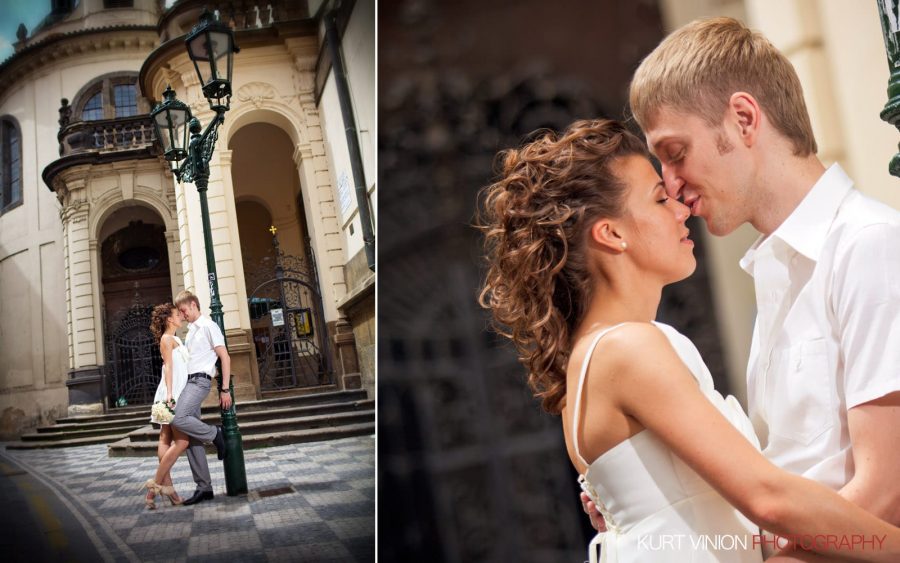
[
  {"x": 724, "y": 112},
  {"x": 205, "y": 345}
]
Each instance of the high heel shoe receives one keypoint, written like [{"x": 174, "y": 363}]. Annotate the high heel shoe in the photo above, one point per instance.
[
  {"x": 153, "y": 489},
  {"x": 169, "y": 492}
]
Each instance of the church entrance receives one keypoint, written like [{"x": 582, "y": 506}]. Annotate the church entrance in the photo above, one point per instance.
[
  {"x": 283, "y": 295},
  {"x": 135, "y": 278}
]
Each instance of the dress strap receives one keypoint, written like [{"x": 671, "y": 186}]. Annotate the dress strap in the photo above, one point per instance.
[{"x": 576, "y": 434}]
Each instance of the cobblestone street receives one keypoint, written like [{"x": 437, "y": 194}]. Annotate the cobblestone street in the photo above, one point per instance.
[{"x": 307, "y": 502}]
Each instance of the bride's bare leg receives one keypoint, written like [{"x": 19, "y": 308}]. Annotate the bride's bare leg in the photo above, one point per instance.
[
  {"x": 165, "y": 440},
  {"x": 179, "y": 444},
  {"x": 164, "y": 444}
]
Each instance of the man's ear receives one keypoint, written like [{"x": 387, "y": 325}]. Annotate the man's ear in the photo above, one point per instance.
[
  {"x": 607, "y": 234},
  {"x": 744, "y": 111}
]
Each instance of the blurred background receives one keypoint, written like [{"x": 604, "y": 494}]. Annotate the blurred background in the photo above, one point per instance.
[{"x": 470, "y": 469}]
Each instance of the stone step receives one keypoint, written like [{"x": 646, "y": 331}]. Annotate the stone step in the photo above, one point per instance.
[
  {"x": 68, "y": 443},
  {"x": 295, "y": 399},
  {"x": 76, "y": 433},
  {"x": 127, "y": 448},
  {"x": 249, "y": 428},
  {"x": 212, "y": 417}
]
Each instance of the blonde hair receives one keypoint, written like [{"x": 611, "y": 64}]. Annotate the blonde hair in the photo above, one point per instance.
[
  {"x": 186, "y": 297},
  {"x": 698, "y": 67}
]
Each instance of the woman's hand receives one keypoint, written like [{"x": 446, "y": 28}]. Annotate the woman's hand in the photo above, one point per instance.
[{"x": 597, "y": 521}]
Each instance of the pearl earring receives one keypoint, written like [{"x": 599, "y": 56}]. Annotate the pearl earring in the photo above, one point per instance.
[{"x": 624, "y": 245}]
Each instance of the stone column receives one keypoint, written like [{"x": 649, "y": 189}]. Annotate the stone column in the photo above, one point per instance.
[{"x": 85, "y": 381}]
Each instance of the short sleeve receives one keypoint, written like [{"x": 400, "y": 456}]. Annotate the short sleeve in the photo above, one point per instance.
[
  {"x": 867, "y": 306},
  {"x": 215, "y": 335}
]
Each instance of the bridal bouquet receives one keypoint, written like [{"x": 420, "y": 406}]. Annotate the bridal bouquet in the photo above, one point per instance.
[{"x": 163, "y": 412}]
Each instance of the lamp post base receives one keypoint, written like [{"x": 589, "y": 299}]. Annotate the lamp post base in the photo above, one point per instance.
[{"x": 235, "y": 473}]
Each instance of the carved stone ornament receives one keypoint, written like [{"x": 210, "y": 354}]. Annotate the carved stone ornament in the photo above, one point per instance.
[{"x": 256, "y": 93}]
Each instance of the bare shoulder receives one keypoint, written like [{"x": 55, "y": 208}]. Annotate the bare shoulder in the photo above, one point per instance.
[
  {"x": 621, "y": 348},
  {"x": 630, "y": 342},
  {"x": 631, "y": 357},
  {"x": 167, "y": 342}
]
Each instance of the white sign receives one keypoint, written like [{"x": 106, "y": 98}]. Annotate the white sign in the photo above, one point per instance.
[
  {"x": 345, "y": 195},
  {"x": 277, "y": 317}
]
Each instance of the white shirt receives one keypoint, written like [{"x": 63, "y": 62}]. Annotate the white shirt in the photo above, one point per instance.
[
  {"x": 202, "y": 338},
  {"x": 827, "y": 335}
]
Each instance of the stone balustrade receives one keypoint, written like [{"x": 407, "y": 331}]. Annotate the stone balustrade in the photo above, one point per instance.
[{"x": 107, "y": 135}]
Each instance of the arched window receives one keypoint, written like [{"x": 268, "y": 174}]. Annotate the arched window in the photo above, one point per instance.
[
  {"x": 125, "y": 100},
  {"x": 110, "y": 96},
  {"x": 93, "y": 109},
  {"x": 10, "y": 164}
]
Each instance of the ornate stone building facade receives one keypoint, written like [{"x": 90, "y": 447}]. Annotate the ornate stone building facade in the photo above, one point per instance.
[{"x": 100, "y": 229}]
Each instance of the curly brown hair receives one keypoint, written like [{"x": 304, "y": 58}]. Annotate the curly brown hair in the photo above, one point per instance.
[
  {"x": 159, "y": 319},
  {"x": 535, "y": 219}
]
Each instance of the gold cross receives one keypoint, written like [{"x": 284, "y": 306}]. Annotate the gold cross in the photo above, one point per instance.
[{"x": 272, "y": 230}]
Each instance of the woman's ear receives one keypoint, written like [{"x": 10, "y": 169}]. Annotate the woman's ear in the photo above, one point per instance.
[{"x": 606, "y": 233}]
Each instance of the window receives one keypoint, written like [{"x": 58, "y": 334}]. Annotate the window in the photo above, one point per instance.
[
  {"x": 10, "y": 164},
  {"x": 93, "y": 109},
  {"x": 125, "y": 99},
  {"x": 111, "y": 96}
]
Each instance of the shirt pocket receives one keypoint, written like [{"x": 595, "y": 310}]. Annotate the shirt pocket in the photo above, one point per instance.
[{"x": 798, "y": 393}]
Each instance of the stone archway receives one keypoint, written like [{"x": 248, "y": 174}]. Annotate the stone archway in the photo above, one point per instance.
[
  {"x": 134, "y": 276},
  {"x": 267, "y": 193}
]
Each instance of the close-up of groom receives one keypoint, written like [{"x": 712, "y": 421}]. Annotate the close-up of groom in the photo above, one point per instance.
[{"x": 724, "y": 113}]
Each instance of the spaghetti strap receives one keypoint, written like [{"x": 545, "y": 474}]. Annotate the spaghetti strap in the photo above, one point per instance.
[
  {"x": 576, "y": 438},
  {"x": 177, "y": 340}
]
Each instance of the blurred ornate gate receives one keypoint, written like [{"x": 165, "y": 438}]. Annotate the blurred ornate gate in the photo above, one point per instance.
[
  {"x": 133, "y": 364},
  {"x": 287, "y": 322}
]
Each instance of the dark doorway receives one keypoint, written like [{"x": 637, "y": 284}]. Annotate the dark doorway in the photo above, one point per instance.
[{"x": 135, "y": 277}]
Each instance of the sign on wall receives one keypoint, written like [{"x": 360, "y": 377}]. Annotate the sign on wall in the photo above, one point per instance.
[{"x": 345, "y": 195}]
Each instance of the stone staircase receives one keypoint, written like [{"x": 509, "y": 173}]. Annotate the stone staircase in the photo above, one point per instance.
[{"x": 285, "y": 419}]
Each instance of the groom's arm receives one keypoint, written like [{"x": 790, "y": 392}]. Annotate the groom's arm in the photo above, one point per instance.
[
  {"x": 875, "y": 436},
  {"x": 866, "y": 304},
  {"x": 225, "y": 359}
]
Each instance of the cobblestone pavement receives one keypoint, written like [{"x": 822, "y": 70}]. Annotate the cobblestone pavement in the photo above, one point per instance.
[{"x": 307, "y": 502}]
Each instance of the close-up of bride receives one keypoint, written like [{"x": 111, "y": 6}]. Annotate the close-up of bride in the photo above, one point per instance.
[{"x": 580, "y": 239}]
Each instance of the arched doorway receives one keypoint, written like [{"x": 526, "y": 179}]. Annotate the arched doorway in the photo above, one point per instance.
[
  {"x": 134, "y": 277},
  {"x": 284, "y": 300}
]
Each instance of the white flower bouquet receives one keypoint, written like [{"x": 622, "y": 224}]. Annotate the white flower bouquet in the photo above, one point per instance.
[{"x": 163, "y": 412}]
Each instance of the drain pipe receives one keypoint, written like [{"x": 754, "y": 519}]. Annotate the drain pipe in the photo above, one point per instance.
[{"x": 356, "y": 163}]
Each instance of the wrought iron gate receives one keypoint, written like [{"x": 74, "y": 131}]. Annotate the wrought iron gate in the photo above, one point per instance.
[
  {"x": 287, "y": 322},
  {"x": 133, "y": 364}
]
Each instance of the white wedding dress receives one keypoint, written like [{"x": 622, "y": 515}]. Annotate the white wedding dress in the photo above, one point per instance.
[
  {"x": 180, "y": 359},
  {"x": 656, "y": 507}
]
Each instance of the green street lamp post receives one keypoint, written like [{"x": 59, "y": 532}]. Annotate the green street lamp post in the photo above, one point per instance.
[
  {"x": 211, "y": 47},
  {"x": 889, "y": 12}
]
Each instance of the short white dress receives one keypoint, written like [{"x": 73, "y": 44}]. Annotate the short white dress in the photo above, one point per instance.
[
  {"x": 180, "y": 357},
  {"x": 656, "y": 507}
]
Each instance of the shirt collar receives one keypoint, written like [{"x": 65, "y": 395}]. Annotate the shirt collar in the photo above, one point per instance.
[
  {"x": 195, "y": 324},
  {"x": 806, "y": 228}
]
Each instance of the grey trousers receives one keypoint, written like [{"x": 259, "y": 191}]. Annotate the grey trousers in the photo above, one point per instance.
[{"x": 187, "y": 420}]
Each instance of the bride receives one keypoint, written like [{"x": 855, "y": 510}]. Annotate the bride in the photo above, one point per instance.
[
  {"x": 165, "y": 320},
  {"x": 580, "y": 240}
]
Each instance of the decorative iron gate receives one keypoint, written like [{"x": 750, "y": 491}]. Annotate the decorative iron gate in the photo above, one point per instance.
[
  {"x": 287, "y": 322},
  {"x": 133, "y": 364}
]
